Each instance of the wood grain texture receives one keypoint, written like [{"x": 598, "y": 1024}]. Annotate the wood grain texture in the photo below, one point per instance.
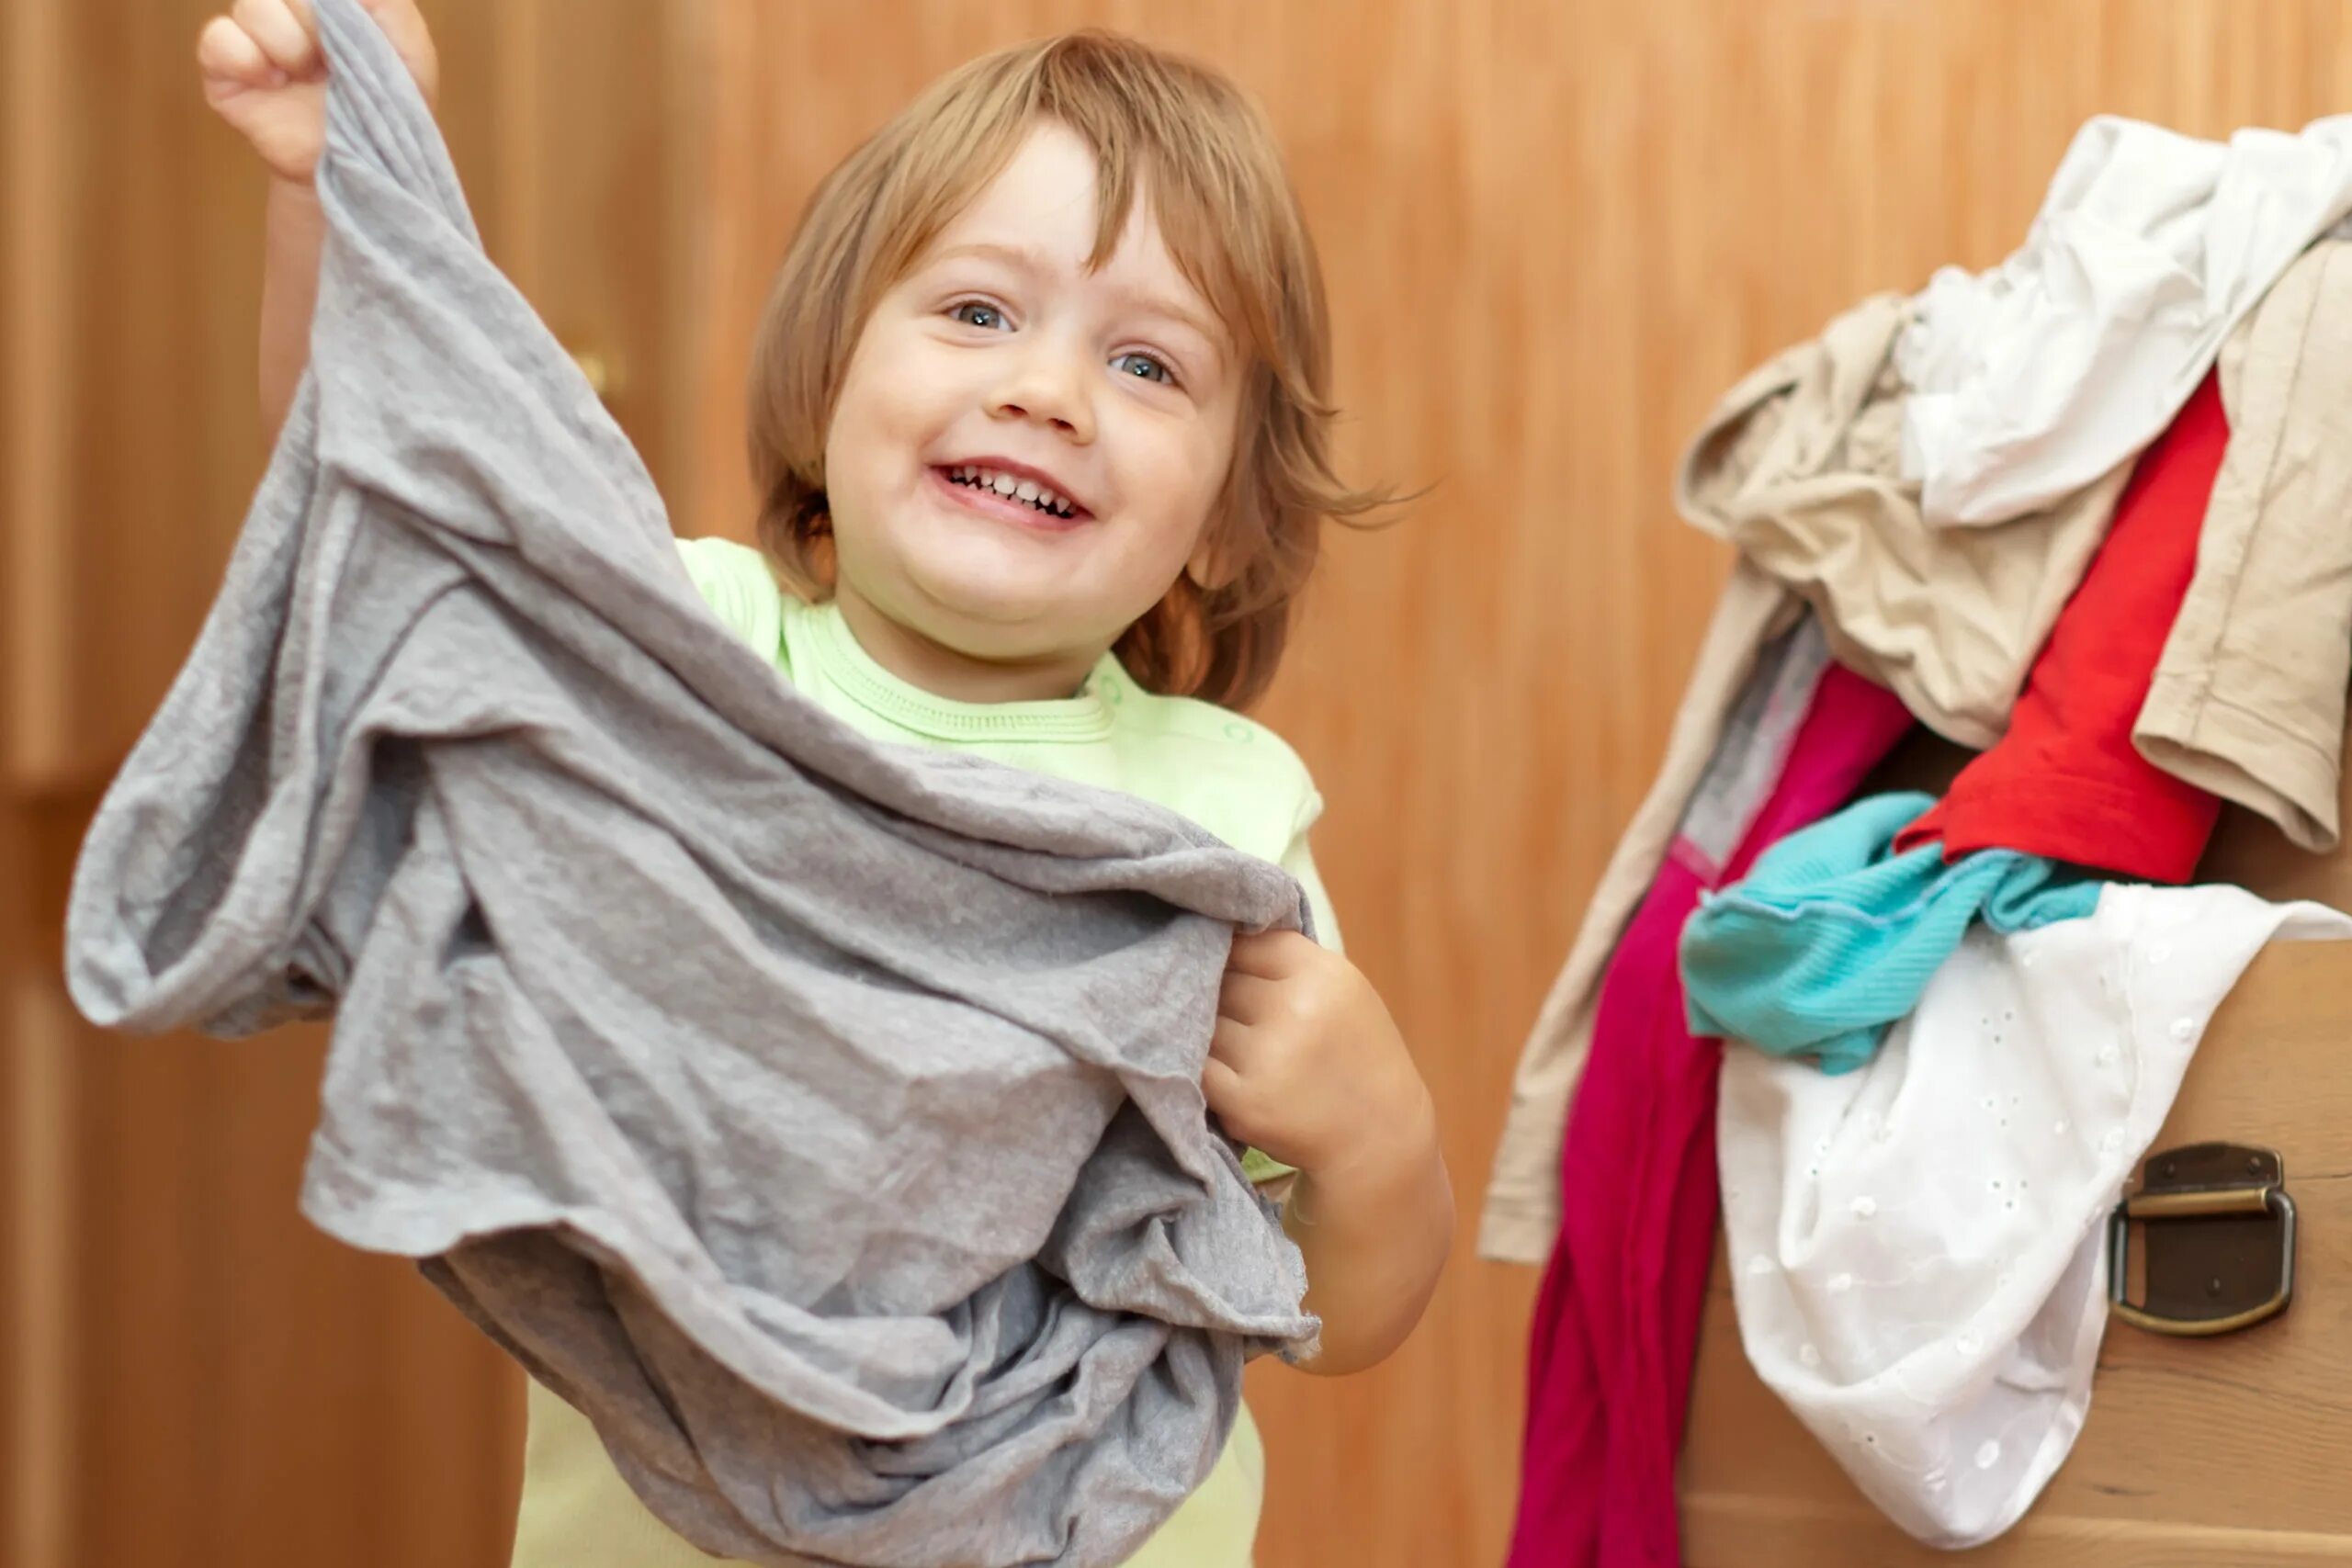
[
  {"x": 34, "y": 300},
  {"x": 135, "y": 234},
  {"x": 42, "y": 1440},
  {"x": 1554, "y": 232},
  {"x": 192, "y": 1376}
]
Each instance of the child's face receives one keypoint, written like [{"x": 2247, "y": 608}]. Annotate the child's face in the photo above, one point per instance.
[{"x": 1115, "y": 390}]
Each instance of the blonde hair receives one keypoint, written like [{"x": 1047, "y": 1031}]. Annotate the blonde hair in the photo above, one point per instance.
[{"x": 1231, "y": 220}]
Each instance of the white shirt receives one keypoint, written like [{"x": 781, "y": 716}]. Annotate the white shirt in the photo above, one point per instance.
[
  {"x": 1916, "y": 1248},
  {"x": 2031, "y": 380}
]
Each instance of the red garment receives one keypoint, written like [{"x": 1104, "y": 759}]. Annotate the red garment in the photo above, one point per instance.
[
  {"x": 1617, "y": 1324},
  {"x": 2065, "y": 782}
]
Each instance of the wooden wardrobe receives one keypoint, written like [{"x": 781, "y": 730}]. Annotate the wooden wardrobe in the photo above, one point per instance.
[{"x": 2218, "y": 1452}]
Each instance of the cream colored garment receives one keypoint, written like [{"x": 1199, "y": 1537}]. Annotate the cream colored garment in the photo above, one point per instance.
[
  {"x": 1916, "y": 1248},
  {"x": 1522, "y": 1208},
  {"x": 1798, "y": 467},
  {"x": 577, "y": 1513},
  {"x": 2249, "y": 698}
]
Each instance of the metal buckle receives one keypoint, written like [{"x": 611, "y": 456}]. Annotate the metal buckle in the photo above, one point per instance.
[{"x": 2220, "y": 1252}]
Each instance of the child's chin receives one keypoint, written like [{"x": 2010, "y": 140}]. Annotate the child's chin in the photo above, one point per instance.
[{"x": 1014, "y": 620}]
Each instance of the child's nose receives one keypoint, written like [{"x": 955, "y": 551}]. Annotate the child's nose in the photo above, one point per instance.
[{"x": 1047, "y": 388}]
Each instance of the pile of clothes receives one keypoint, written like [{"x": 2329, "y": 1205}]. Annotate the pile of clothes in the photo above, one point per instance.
[{"x": 2088, "y": 514}]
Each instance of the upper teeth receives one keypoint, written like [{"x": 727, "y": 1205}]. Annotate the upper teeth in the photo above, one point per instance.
[{"x": 1004, "y": 484}]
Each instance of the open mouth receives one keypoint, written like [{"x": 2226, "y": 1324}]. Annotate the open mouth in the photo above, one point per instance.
[{"x": 1012, "y": 488}]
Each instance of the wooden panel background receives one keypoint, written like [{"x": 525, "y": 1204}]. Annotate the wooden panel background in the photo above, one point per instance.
[
  {"x": 194, "y": 1377},
  {"x": 1555, "y": 231}
]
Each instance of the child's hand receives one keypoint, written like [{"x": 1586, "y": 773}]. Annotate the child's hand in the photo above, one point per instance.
[
  {"x": 1307, "y": 1066},
  {"x": 264, "y": 75}
]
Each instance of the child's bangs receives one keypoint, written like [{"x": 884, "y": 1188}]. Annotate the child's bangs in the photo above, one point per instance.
[{"x": 1157, "y": 127}]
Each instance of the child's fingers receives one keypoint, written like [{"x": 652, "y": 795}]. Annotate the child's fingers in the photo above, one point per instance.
[
  {"x": 274, "y": 26},
  {"x": 228, "y": 56},
  {"x": 1221, "y": 1085},
  {"x": 1229, "y": 1044},
  {"x": 1269, "y": 955},
  {"x": 1245, "y": 998}
]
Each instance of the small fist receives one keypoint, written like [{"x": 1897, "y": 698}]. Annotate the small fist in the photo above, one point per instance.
[
  {"x": 264, "y": 75},
  {"x": 1307, "y": 1065}
]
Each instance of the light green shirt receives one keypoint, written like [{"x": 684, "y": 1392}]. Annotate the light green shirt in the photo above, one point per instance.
[{"x": 1232, "y": 776}]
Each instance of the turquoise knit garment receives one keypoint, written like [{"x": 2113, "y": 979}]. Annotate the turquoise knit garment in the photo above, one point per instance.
[{"x": 1831, "y": 938}]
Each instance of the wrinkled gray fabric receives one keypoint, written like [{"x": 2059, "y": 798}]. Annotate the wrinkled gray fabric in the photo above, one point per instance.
[{"x": 821, "y": 1118}]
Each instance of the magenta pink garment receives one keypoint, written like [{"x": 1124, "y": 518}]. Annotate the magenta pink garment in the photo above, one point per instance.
[{"x": 1617, "y": 1323}]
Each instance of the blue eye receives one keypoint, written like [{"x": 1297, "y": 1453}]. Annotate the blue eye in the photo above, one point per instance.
[
  {"x": 977, "y": 313},
  {"x": 1144, "y": 367}
]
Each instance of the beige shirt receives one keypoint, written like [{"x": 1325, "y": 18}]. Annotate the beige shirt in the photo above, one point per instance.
[
  {"x": 2248, "y": 700},
  {"x": 1799, "y": 467}
]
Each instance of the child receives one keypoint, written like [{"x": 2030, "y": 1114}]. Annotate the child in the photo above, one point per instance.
[{"x": 1039, "y": 431}]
